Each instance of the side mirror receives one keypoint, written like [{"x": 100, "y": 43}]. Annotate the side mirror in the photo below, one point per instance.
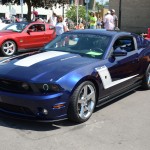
[
  {"x": 51, "y": 27},
  {"x": 29, "y": 30},
  {"x": 119, "y": 52}
]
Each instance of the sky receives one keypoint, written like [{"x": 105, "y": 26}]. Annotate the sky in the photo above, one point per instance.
[{"x": 102, "y": 1}]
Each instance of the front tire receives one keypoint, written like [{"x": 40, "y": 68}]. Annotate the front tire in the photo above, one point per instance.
[
  {"x": 146, "y": 79},
  {"x": 9, "y": 48},
  {"x": 82, "y": 102}
]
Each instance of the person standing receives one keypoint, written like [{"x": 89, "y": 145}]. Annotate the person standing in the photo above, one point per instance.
[
  {"x": 99, "y": 23},
  {"x": 53, "y": 19},
  {"x": 60, "y": 26},
  {"x": 115, "y": 19},
  {"x": 108, "y": 21},
  {"x": 35, "y": 14},
  {"x": 93, "y": 20}
]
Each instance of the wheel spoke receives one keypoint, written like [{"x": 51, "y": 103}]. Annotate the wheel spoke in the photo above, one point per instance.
[
  {"x": 91, "y": 96},
  {"x": 85, "y": 91},
  {"x": 7, "y": 44},
  {"x": 148, "y": 79},
  {"x": 90, "y": 106},
  {"x": 82, "y": 111},
  {"x": 80, "y": 101}
]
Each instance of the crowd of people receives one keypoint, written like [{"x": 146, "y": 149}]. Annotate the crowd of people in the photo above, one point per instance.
[{"x": 109, "y": 22}]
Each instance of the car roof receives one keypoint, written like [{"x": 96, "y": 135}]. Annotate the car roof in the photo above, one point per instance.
[{"x": 101, "y": 32}]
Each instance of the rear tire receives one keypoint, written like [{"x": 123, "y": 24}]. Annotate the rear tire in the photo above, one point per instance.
[
  {"x": 82, "y": 102},
  {"x": 146, "y": 79}
]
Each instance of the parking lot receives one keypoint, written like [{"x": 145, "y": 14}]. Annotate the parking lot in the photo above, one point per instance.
[{"x": 121, "y": 125}]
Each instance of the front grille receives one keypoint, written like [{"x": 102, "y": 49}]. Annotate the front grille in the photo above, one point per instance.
[
  {"x": 13, "y": 86},
  {"x": 15, "y": 109}
]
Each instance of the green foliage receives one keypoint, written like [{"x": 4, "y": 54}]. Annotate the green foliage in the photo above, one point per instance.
[
  {"x": 72, "y": 13},
  {"x": 107, "y": 3},
  {"x": 98, "y": 6}
]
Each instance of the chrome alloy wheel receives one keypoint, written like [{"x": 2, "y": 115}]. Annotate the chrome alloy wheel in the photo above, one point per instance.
[
  {"x": 86, "y": 101},
  {"x": 148, "y": 78},
  {"x": 8, "y": 48}
]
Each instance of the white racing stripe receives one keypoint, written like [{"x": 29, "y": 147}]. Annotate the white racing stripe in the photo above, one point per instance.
[
  {"x": 106, "y": 78},
  {"x": 31, "y": 60}
]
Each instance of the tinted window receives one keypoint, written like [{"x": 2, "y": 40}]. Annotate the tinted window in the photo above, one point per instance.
[
  {"x": 84, "y": 44},
  {"x": 125, "y": 43}
]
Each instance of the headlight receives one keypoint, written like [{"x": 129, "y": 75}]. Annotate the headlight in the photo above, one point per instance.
[
  {"x": 25, "y": 86},
  {"x": 48, "y": 88}
]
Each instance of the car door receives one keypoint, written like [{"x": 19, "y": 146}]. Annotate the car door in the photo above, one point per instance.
[
  {"x": 34, "y": 37},
  {"x": 50, "y": 33},
  {"x": 125, "y": 69},
  {"x": 120, "y": 72}
]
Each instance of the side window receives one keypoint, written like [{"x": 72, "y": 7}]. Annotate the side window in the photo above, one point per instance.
[
  {"x": 37, "y": 27},
  {"x": 126, "y": 43},
  {"x": 40, "y": 27},
  {"x": 33, "y": 28}
]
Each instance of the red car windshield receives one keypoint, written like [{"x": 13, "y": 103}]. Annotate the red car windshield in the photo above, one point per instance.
[{"x": 16, "y": 27}]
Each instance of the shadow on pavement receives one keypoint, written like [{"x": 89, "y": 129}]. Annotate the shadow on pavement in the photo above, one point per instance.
[{"x": 35, "y": 126}]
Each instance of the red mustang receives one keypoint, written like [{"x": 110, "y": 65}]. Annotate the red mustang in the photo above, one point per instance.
[
  {"x": 146, "y": 35},
  {"x": 25, "y": 36}
]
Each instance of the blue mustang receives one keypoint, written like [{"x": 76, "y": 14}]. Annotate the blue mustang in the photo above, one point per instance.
[{"x": 73, "y": 74}]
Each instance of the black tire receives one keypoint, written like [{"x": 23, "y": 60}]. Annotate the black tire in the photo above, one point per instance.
[
  {"x": 8, "y": 48},
  {"x": 146, "y": 79},
  {"x": 82, "y": 102}
]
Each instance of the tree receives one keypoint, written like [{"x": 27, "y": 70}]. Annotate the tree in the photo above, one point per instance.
[
  {"x": 107, "y": 3},
  {"x": 72, "y": 13},
  {"x": 98, "y": 6},
  {"x": 36, "y": 3}
]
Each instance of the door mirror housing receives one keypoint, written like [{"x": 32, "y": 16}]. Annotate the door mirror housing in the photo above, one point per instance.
[
  {"x": 51, "y": 27},
  {"x": 29, "y": 30}
]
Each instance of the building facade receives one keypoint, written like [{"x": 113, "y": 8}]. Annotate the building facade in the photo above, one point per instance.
[
  {"x": 6, "y": 11},
  {"x": 135, "y": 16}
]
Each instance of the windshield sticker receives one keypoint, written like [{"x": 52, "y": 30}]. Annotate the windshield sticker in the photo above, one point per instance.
[{"x": 94, "y": 53}]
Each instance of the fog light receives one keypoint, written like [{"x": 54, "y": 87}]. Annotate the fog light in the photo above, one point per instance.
[{"x": 44, "y": 111}]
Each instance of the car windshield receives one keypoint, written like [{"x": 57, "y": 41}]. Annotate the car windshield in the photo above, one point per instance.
[
  {"x": 16, "y": 27},
  {"x": 89, "y": 45}
]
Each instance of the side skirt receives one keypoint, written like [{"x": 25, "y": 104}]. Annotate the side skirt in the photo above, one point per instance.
[{"x": 118, "y": 94}]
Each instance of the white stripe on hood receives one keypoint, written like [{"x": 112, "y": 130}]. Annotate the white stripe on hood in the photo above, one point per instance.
[{"x": 31, "y": 60}]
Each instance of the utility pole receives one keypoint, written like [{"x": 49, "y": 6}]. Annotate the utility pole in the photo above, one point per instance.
[
  {"x": 77, "y": 10},
  {"x": 21, "y": 4},
  {"x": 87, "y": 2},
  {"x": 119, "y": 22},
  {"x": 63, "y": 7}
]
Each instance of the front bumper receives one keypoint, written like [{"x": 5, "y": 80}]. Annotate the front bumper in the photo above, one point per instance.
[{"x": 34, "y": 107}]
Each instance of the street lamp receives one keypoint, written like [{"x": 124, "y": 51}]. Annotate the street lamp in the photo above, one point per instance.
[{"x": 119, "y": 22}]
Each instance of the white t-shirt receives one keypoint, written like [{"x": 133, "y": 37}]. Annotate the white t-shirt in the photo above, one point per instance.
[
  {"x": 60, "y": 28},
  {"x": 53, "y": 20},
  {"x": 109, "y": 22}
]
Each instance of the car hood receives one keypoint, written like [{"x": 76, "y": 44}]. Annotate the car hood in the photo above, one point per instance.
[
  {"x": 7, "y": 32},
  {"x": 42, "y": 66}
]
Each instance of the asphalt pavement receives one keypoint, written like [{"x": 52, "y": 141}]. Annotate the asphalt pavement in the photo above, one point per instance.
[{"x": 121, "y": 125}]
